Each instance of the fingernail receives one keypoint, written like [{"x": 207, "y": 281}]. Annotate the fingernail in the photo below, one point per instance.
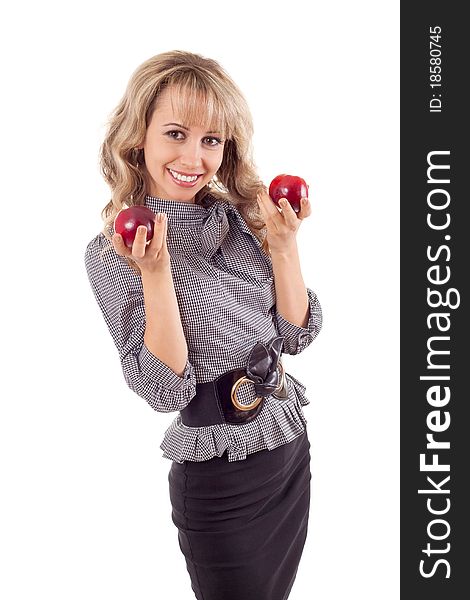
[{"x": 283, "y": 202}]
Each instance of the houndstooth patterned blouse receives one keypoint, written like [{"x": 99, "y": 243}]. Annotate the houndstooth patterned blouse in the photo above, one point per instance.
[{"x": 225, "y": 290}]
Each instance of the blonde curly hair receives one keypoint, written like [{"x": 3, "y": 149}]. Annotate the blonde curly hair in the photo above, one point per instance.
[{"x": 204, "y": 94}]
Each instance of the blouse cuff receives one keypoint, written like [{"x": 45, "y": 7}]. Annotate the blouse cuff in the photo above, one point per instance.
[
  {"x": 157, "y": 370},
  {"x": 298, "y": 338}
]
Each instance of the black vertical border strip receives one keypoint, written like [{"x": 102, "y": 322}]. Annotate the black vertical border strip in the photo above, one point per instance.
[{"x": 422, "y": 132}]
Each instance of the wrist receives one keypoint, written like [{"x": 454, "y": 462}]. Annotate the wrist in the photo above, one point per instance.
[
  {"x": 160, "y": 272},
  {"x": 287, "y": 251}
]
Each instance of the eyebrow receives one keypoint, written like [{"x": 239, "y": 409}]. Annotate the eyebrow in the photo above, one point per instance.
[{"x": 183, "y": 127}]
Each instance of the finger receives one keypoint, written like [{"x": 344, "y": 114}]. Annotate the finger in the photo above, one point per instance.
[
  {"x": 119, "y": 245},
  {"x": 159, "y": 233},
  {"x": 305, "y": 208},
  {"x": 158, "y": 227},
  {"x": 267, "y": 206},
  {"x": 266, "y": 203},
  {"x": 140, "y": 242},
  {"x": 288, "y": 212},
  {"x": 165, "y": 234}
]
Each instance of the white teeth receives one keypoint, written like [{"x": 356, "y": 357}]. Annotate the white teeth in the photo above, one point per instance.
[{"x": 183, "y": 177}]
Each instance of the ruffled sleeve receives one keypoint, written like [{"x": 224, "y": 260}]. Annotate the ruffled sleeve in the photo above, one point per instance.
[
  {"x": 298, "y": 338},
  {"x": 119, "y": 294}
]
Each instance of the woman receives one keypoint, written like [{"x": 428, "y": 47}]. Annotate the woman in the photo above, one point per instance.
[{"x": 200, "y": 317}]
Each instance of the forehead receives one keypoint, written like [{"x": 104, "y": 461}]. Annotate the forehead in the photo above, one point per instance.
[{"x": 191, "y": 108}]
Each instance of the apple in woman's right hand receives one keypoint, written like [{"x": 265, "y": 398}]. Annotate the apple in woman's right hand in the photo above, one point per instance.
[
  {"x": 148, "y": 249},
  {"x": 128, "y": 219}
]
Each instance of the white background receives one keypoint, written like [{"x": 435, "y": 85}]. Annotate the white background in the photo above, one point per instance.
[{"x": 85, "y": 508}]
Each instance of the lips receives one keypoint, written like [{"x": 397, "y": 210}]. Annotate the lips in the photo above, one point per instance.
[{"x": 186, "y": 180}]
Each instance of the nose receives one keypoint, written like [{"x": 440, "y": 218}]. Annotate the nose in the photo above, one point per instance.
[{"x": 191, "y": 154}]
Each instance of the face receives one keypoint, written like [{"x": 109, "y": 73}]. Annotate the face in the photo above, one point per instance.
[{"x": 180, "y": 158}]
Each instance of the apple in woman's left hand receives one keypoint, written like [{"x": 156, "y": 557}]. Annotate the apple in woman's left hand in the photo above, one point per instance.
[{"x": 282, "y": 223}]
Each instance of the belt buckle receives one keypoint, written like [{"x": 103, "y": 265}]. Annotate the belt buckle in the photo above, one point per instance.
[{"x": 258, "y": 399}]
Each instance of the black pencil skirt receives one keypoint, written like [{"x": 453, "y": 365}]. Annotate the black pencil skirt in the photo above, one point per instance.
[{"x": 242, "y": 525}]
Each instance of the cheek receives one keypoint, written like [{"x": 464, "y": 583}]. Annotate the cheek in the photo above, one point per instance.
[
  {"x": 160, "y": 155},
  {"x": 217, "y": 161}
]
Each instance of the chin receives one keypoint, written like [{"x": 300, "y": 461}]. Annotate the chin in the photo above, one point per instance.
[{"x": 187, "y": 195}]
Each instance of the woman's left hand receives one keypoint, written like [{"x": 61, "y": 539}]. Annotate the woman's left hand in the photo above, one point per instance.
[{"x": 282, "y": 225}]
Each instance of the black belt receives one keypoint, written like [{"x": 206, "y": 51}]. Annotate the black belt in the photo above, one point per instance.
[{"x": 217, "y": 401}]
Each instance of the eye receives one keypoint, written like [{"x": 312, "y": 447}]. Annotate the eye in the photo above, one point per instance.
[
  {"x": 212, "y": 141},
  {"x": 176, "y": 135}
]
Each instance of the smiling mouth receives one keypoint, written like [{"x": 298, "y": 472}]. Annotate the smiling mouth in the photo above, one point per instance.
[{"x": 187, "y": 180}]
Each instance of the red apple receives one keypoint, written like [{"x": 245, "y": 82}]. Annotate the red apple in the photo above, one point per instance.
[
  {"x": 290, "y": 187},
  {"x": 128, "y": 219}
]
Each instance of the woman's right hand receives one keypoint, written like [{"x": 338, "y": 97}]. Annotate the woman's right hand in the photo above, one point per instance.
[{"x": 153, "y": 257}]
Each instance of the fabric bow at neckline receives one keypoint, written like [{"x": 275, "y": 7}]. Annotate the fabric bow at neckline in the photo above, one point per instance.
[
  {"x": 214, "y": 230},
  {"x": 262, "y": 366}
]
